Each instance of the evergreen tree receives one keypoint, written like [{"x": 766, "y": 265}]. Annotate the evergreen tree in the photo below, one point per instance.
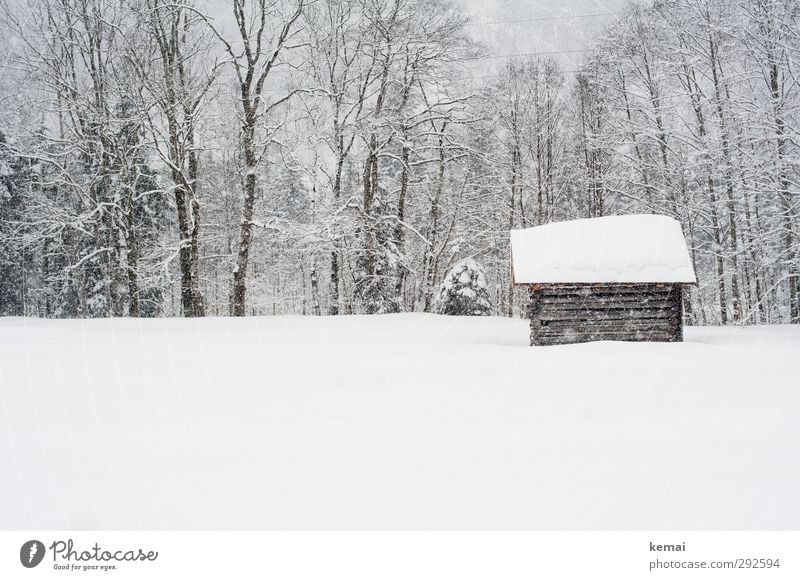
[
  {"x": 464, "y": 291},
  {"x": 11, "y": 258},
  {"x": 375, "y": 272}
]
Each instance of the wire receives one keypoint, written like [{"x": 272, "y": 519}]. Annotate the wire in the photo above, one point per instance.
[
  {"x": 539, "y": 53},
  {"x": 543, "y": 19},
  {"x": 498, "y": 75}
]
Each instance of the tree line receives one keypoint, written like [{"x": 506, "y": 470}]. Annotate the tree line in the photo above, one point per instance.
[{"x": 171, "y": 157}]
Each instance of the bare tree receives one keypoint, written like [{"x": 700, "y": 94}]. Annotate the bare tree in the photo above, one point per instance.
[
  {"x": 177, "y": 87},
  {"x": 265, "y": 31}
]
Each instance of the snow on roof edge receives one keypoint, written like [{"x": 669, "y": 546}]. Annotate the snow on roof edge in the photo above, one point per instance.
[{"x": 638, "y": 248}]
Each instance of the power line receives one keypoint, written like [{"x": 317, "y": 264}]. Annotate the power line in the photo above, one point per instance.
[
  {"x": 542, "y": 19},
  {"x": 499, "y": 75},
  {"x": 539, "y": 53},
  {"x": 495, "y": 56}
]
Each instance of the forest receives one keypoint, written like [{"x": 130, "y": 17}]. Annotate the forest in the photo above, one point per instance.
[{"x": 324, "y": 157}]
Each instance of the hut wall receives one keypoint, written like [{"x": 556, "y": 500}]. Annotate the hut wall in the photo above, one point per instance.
[{"x": 570, "y": 313}]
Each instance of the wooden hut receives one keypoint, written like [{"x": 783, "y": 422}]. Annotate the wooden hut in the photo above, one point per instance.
[{"x": 608, "y": 278}]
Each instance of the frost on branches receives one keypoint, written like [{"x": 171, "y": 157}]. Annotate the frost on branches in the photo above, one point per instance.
[
  {"x": 464, "y": 291},
  {"x": 343, "y": 183}
]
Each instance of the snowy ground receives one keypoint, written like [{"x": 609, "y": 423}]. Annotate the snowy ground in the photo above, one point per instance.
[{"x": 403, "y": 421}]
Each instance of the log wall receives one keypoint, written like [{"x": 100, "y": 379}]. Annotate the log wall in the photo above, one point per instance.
[{"x": 570, "y": 313}]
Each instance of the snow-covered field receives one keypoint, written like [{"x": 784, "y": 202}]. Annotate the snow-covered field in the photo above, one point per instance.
[{"x": 402, "y": 421}]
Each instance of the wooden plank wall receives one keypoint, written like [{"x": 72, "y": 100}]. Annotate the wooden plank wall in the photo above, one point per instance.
[{"x": 570, "y": 313}]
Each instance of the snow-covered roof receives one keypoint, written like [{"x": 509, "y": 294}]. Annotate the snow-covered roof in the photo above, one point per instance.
[{"x": 612, "y": 249}]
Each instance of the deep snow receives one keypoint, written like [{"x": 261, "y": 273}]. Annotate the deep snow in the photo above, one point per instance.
[{"x": 400, "y": 421}]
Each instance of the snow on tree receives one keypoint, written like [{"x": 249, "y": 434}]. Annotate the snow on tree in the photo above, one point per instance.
[
  {"x": 354, "y": 155},
  {"x": 11, "y": 256},
  {"x": 464, "y": 291}
]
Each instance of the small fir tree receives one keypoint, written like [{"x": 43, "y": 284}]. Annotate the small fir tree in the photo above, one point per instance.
[{"x": 464, "y": 291}]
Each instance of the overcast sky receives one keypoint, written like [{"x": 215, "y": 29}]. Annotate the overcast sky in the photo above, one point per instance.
[
  {"x": 564, "y": 27},
  {"x": 522, "y": 26},
  {"x": 508, "y": 27}
]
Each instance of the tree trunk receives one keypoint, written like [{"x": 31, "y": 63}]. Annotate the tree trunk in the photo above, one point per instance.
[
  {"x": 184, "y": 253},
  {"x": 239, "y": 294},
  {"x": 729, "y": 194},
  {"x": 315, "y": 292},
  {"x": 197, "y": 296},
  {"x": 401, "y": 216},
  {"x": 333, "y": 301},
  {"x": 785, "y": 196}
]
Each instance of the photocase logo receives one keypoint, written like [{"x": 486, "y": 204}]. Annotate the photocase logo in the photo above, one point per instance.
[{"x": 31, "y": 553}]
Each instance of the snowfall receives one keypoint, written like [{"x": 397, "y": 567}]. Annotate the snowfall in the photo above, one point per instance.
[{"x": 404, "y": 421}]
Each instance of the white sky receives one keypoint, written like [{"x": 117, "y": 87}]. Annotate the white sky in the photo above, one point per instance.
[
  {"x": 518, "y": 26},
  {"x": 523, "y": 26}
]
